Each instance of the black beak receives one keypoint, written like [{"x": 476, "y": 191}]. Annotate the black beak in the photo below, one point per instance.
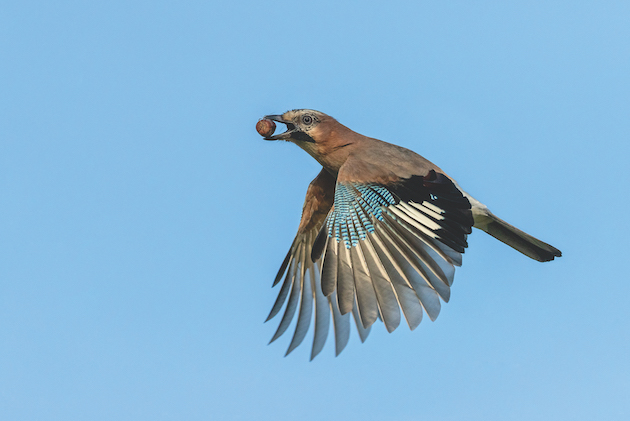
[{"x": 282, "y": 136}]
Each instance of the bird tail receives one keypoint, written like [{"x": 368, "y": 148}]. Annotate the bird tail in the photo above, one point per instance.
[{"x": 513, "y": 237}]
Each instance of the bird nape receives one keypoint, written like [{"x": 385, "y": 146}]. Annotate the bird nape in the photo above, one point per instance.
[{"x": 382, "y": 230}]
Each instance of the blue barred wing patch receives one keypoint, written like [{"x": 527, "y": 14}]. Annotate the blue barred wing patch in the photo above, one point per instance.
[{"x": 354, "y": 209}]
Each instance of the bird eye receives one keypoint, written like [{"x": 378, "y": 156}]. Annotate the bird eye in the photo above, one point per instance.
[{"x": 307, "y": 119}]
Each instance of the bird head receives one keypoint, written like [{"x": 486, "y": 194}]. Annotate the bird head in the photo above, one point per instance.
[
  {"x": 302, "y": 126},
  {"x": 323, "y": 137}
]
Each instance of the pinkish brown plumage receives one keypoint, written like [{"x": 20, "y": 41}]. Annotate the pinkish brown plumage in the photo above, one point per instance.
[{"x": 381, "y": 233}]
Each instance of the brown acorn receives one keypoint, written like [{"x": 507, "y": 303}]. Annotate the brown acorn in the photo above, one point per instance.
[{"x": 265, "y": 127}]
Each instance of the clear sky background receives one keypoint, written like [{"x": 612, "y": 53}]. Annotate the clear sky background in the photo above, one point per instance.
[{"x": 142, "y": 218}]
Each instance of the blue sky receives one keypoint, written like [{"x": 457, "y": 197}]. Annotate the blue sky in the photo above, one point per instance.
[{"x": 143, "y": 219}]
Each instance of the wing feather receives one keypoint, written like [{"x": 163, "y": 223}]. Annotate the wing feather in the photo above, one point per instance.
[
  {"x": 322, "y": 314},
  {"x": 407, "y": 297},
  {"x": 361, "y": 330},
  {"x": 413, "y": 273},
  {"x": 341, "y": 324},
  {"x": 345, "y": 280},
  {"x": 366, "y": 297},
  {"x": 306, "y": 303},
  {"x": 383, "y": 287},
  {"x": 401, "y": 238},
  {"x": 294, "y": 298},
  {"x": 329, "y": 268},
  {"x": 284, "y": 265},
  {"x": 284, "y": 290},
  {"x": 374, "y": 249}
]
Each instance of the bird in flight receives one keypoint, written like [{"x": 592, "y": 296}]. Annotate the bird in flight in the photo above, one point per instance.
[{"x": 381, "y": 233}]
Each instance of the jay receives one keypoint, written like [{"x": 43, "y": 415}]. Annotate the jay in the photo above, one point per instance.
[{"x": 381, "y": 233}]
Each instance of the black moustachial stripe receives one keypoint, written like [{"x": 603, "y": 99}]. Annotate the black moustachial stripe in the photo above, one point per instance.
[{"x": 299, "y": 135}]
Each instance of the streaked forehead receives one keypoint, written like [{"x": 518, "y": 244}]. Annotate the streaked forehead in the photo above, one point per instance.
[{"x": 290, "y": 115}]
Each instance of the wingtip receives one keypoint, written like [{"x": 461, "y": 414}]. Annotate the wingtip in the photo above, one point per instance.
[
  {"x": 434, "y": 314},
  {"x": 313, "y": 355},
  {"x": 269, "y": 317}
]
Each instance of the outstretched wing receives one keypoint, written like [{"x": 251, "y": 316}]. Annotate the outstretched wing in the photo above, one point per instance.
[
  {"x": 382, "y": 247},
  {"x": 392, "y": 247}
]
